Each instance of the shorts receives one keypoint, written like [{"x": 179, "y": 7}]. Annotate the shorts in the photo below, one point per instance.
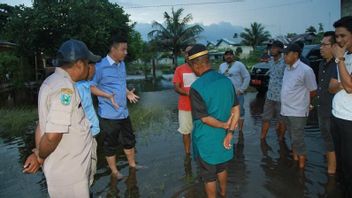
[
  {"x": 209, "y": 172},
  {"x": 240, "y": 99},
  {"x": 185, "y": 122},
  {"x": 295, "y": 127},
  {"x": 115, "y": 133},
  {"x": 271, "y": 109},
  {"x": 93, "y": 164}
]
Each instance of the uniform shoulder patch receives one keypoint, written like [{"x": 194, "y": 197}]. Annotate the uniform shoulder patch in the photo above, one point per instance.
[{"x": 65, "y": 96}]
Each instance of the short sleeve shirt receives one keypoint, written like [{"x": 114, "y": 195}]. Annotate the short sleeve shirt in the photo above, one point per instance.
[
  {"x": 211, "y": 95},
  {"x": 185, "y": 76},
  {"x": 83, "y": 88},
  {"x": 60, "y": 111},
  {"x": 110, "y": 77},
  {"x": 326, "y": 72},
  {"x": 342, "y": 102},
  {"x": 276, "y": 73},
  {"x": 298, "y": 82}
]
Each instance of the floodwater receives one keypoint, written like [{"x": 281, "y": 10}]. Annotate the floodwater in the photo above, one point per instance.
[{"x": 257, "y": 170}]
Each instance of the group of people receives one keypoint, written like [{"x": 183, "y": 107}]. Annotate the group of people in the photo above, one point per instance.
[
  {"x": 210, "y": 110},
  {"x": 217, "y": 110},
  {"x": 68, "y": 123}
]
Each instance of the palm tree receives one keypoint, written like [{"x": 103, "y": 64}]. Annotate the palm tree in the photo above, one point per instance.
[
  {"x": 255, "y": 35},
  {"x": 175, "y": 33}
]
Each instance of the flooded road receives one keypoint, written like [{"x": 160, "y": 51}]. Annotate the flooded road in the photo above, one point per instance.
[{"x": 259, "y": 169}]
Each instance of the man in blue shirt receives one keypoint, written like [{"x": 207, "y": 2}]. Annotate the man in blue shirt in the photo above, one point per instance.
[
  {"x": 215, "y": 113},
  {"x": 115, "y": 123}
]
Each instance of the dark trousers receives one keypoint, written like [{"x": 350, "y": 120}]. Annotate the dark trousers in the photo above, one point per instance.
[{"x": 342, "y": 136}]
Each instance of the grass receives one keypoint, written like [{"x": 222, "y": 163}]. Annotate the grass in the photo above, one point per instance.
[{"x": 16, "y": 121}]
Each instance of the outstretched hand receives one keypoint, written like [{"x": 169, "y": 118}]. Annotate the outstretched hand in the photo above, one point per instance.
[
  {"x": 112, "y": 100},
  {"x": 133, "y": 98}
]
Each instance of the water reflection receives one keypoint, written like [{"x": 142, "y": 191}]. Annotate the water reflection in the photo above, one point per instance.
[{"x": 131, "y": 191}]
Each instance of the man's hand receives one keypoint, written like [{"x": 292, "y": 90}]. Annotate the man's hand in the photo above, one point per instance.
[
  {"x": 227, "y": 141},
  {"x": 133, "y": 98},
  {"x": 339, "y": 51},
  {"x": 111, "y": 97},
  {"x": 32, "y": 164},
  {"x": 238, "y": 93}
]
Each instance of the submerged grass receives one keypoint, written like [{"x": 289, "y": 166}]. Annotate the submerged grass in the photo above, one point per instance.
[{"x": 16, "y": 121}]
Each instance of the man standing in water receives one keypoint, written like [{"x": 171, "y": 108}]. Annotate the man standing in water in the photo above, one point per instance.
[
  {"x": 63, "y": 140},
  {"x": 115, "y": 124},
  {"x": 183, "y": 79},
  {"x": 215, "y": 113},
  {"x": 237, "y": 72},
  {"x": 298, "y": 85}
]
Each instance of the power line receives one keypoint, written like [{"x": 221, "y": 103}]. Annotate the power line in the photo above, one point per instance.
[{"x": 184, "y": 4}]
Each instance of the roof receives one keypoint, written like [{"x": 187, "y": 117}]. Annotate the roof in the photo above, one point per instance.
[{"x": 5, "y": 45}]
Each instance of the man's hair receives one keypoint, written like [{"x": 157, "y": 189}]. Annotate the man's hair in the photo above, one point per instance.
[
  {"x": 345, "y": 22},
  {"x": 118, "y": 38},
  {"x": 330, "y": 34}
]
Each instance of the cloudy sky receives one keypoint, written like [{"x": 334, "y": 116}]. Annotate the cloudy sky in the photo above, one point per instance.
[{"x": 278, "y": 16}]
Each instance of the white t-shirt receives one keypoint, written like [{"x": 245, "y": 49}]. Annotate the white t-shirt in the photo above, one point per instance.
[{"x": 342, "y": 102}]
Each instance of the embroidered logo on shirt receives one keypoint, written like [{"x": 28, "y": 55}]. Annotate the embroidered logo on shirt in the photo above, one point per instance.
[{"x": 65, "y": 96}]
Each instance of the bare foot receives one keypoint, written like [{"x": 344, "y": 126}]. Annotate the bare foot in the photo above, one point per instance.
[{"x": 118, "y": 175}]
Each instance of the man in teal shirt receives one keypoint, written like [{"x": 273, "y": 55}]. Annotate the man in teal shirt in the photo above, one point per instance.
[{"x": 215, "y": 113}]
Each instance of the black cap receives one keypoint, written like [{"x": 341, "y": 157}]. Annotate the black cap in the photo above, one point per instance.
[
  {"x": 278, "y": 44},
  {"x": 73, "y": 50},
  {"x": 196, "y": 51},
  {"x": 228, "y": 52},
  {"x": 293, "y": 48}
]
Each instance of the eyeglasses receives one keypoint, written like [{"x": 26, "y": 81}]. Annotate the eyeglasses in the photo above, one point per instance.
[{"x": 324, "y": 44}]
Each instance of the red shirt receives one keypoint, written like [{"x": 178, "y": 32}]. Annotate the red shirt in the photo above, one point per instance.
[{"x": 185, "y": 76}]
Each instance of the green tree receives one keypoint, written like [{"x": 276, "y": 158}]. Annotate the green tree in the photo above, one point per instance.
[
  {"x": 175, "y": 33},
  {"x": 311, "y": 29},
  {"x": 321, "y": 27},
  {"x": 255, "y": 35}
]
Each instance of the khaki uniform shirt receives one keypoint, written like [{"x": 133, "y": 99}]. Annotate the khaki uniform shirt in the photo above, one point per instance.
[{"x": 60, "y": 111}]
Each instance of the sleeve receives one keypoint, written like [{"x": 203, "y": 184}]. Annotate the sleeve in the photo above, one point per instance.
[
  {"x": 60, "y": 110},
  {"x": 246, "y": 78},
  {"x": 334, "y": 72},
  {"x": 310, "y": 80},
  {"x": 199, "y": 108},
  {"x": 177, "y": 76},
  {"x": 97, "y": 77}
]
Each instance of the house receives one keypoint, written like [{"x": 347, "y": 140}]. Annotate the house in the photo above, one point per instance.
[{"x": 216, "y": 51}]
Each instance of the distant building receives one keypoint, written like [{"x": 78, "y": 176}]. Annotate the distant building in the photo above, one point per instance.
[{"x": 216, "y": 50}]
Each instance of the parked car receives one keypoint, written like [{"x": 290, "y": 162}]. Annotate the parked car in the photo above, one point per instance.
[{"x": 259, "y": 73}]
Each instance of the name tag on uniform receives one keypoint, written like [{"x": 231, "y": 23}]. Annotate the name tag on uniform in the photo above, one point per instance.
[{"x": 66, "y": 96}]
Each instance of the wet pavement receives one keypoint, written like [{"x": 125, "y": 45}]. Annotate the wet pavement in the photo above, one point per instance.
[{"x": 259, "y": 169}]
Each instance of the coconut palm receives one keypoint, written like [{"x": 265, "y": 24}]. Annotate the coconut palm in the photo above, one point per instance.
[
  {"x": 255, "y": 35},
  {"x": 175, "y": 33}
]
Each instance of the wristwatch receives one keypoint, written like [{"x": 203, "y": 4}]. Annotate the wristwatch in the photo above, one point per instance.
[
  {"x": 230, "y": 131},
  {"x": 338, "y": 59}
]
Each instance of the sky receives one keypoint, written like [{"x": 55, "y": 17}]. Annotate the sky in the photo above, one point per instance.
[{"x": 278, "y": 16}]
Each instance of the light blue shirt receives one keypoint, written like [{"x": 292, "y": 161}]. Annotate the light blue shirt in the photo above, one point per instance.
[
  {"x": 297, "y": 83},
  {"x": 237, "y": 73},
  {"x": 276, "y": 73},
  {"x": 110, "y": 77},
  {"x": 83, "y": 88}
]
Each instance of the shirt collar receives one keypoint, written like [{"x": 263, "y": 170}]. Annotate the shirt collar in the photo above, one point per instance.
[
  {"x": 62, "y": 72},
  {"x": 111, "y": 61},
  {"x": 294, "y": 66}
]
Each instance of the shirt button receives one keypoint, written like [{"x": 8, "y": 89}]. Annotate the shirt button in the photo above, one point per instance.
[
  {"x": 323, "y": 71},
  {"x": 322, "y": 80}
]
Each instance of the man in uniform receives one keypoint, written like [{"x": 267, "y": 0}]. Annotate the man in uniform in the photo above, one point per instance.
[
  {"x": 63, "y": 140},
  {"x": 215, "y": 113}
]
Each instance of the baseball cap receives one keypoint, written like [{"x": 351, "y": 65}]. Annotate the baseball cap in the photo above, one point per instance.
[
  {"x": 73, "y": 50},
  {"x": 196, "y": 51},
  {"x": 293, "y": 48},
  {"x": 278, "y": 44}
]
